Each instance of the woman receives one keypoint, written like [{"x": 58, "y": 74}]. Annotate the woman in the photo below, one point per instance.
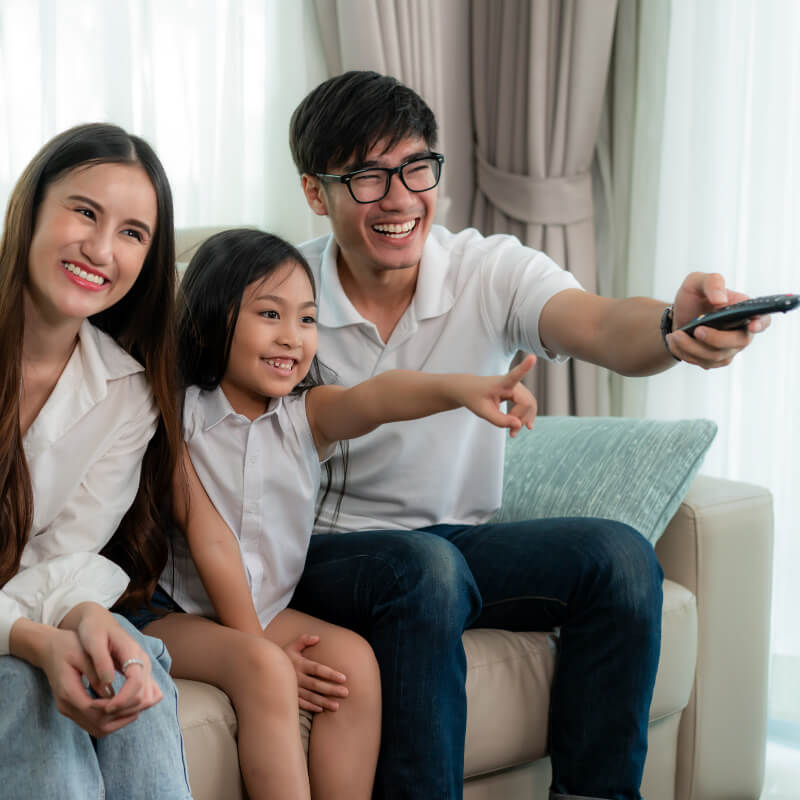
[{"x": 86, "y": 393}]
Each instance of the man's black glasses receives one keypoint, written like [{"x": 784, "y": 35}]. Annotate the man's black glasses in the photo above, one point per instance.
[{"x": 368, "y": 185}]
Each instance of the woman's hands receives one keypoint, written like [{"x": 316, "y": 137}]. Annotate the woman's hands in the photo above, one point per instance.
[
  {"x": 91, "y": 643},
  {"x": 483, "y": 395},
  {"x": 317, "y": 684}
]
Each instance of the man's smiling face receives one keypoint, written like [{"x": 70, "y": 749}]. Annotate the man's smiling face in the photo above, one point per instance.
[{"x": 382, "y": 236}]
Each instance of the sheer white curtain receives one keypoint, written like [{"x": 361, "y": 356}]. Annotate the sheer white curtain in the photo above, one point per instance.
[
  {"x": 209, "y": 83},
  {"x": 729, "y": 201}
]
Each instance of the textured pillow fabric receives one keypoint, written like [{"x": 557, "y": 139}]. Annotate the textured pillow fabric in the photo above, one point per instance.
[{"x": 635, "y": 471}]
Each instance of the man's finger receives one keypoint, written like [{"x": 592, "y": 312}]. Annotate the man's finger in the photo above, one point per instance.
[{"x": 714, "y": 289}]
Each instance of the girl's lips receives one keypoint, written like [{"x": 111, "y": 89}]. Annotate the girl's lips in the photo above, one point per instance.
[
  {"x": 283, "y": 365},
  {"x": 86, "y": 278}
]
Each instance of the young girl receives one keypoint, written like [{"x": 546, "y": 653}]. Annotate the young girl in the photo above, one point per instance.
[
  {"x": 86, "y": 350},
  {"x": 257, "y": 423}
]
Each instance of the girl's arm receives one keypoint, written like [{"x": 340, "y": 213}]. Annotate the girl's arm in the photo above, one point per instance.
[
  {"x": 215, "y": 551},
  {"x": 336, "y": 413}
]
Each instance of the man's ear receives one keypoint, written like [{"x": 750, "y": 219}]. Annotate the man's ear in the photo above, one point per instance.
[{"x": 315, "y": 194}]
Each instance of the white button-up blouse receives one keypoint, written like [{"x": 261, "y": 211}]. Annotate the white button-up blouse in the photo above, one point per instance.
[{"x": 84, "y": 452}]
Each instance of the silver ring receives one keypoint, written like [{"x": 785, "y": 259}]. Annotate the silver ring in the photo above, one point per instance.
[{"x": 130, "y": 662}]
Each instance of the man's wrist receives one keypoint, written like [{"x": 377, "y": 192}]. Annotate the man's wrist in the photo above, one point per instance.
[{"x": 666, "y": 328}]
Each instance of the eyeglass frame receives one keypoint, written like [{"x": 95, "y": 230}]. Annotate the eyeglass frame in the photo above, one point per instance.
[{"x": 326, "y": 177}]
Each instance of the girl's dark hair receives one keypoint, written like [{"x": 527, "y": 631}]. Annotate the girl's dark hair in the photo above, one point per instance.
[
  {"x": 209, "y": 301},
  {"x": 343, "y": 118},
  {"x": 142, "y": 322}
]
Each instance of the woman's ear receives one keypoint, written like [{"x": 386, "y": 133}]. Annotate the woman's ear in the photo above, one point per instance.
[{"x": 315, "y": 194}]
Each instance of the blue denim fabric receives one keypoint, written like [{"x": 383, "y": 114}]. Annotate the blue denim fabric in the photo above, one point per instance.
[
  {"x": 411, "y": 594},
  {"x": 159, "y": 602},
  {"x": 47, "y": 756}
]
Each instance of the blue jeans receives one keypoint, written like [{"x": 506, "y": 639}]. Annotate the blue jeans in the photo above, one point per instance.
[
  {"x": 47, "y": 756},
  {"x": 411, "y": 594}
]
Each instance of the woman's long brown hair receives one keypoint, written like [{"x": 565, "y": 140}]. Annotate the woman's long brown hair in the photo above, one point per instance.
[{"x": 142, "y": 322}]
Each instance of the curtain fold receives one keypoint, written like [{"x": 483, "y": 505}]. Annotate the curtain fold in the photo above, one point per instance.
[
  {"x": 539, "y": 74},
  {"x": 628, "y": 162}
]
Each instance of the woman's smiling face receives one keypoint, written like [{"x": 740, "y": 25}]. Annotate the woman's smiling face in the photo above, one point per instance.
[{"x": 92, "y": 234}]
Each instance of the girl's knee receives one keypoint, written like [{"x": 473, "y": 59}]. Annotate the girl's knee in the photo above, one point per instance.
[
  {"x": 357, "y": 659},
  {"x": 261, "y": 663}
]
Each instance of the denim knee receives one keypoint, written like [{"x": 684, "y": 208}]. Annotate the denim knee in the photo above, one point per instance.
[
  {"x": 22, "y": 682},
  {"x": 430, "y": 576},
  {"x": 627, "y": 565}
]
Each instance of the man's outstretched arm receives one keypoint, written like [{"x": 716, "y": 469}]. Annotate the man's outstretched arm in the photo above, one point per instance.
[{"x": 625, "y": 335}]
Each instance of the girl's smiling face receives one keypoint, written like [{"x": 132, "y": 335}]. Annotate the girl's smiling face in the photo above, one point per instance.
[
  {"x": 274, "y": 341},
  {"x": 92, "y": 234}
]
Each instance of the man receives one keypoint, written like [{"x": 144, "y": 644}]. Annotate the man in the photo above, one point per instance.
[{"x": 420, "y": 563}]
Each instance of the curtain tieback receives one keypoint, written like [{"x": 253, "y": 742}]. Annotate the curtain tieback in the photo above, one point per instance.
[{"x": 537, "y": 201}]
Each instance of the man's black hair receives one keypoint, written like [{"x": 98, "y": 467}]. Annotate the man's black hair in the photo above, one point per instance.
[{"x": 341, "y": 120}]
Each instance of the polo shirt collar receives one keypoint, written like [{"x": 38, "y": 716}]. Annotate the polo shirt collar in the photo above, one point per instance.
[
  {"x": 432, "y": 298},
  {"x": 217, "y": 408}
]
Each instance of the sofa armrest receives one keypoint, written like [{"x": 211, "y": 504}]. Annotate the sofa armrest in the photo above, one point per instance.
[{"x": 719, "y": 545}]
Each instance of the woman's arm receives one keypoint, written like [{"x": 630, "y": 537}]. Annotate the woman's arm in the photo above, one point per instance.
[
  {"x": 214, "y": 550},
  {"x": 336, "y": 413},
  {"x": 89, "y": 643}
]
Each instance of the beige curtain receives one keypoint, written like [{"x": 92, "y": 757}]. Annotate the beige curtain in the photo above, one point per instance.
[
  {"x": 629, "y": 158},
  {"x": 539, "y": 75}
]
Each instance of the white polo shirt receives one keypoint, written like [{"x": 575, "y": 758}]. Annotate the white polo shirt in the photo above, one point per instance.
[
  {"x": 84, "y": 452},
  {"x": 262, "y": 477},
  {"x": 477, "y": 302}
]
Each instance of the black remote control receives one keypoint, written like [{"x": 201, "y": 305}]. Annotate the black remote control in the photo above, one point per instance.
[{"x": 739, "y": 315}]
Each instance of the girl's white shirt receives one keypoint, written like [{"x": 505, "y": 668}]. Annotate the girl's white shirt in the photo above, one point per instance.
[
  {"x": 262, "y": 477},
  {"x": 84, "y": 452}
]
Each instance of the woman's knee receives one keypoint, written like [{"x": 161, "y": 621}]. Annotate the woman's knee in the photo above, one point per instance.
[{"x": 22, "y": 687}]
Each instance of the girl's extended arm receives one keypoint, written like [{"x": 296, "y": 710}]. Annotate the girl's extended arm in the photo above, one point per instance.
[
  {"x": 214, "y": 550},
  {"x": 337, "y": 413}
]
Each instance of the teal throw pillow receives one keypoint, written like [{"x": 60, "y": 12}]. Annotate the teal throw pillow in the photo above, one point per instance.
[{"x": 635, "y": 471}]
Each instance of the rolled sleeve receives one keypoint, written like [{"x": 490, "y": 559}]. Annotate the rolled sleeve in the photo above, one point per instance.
[
  {"x": 47, "y": 591},
  {"x": 517, "y": 283}
]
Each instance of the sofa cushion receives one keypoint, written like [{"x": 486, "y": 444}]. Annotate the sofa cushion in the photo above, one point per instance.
[
  {"x": 635, "y": 471},
  {"x": 509, "y": 677}
]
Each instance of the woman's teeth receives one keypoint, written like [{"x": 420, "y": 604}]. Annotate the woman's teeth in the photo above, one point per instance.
[
  {"x": 82, "y": 273},
  {"x": 396, "y": 230}
]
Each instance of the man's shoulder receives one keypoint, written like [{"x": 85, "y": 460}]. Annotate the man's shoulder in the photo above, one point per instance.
[
  {"x": 472, "y": 249},
  {"x": 313, "y": 250}
]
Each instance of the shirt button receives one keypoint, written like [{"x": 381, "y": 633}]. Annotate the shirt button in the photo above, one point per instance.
[{"x": 252, "y": 459}]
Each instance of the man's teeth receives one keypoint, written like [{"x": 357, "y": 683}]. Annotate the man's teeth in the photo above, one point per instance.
[
  {"x": 82, "y": 273},
  {"x": 396, "y": 230},
  {"x": 280, "y": 363}
]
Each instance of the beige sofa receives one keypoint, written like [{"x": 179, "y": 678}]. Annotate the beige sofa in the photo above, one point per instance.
[{"x": 708, "y": 717}]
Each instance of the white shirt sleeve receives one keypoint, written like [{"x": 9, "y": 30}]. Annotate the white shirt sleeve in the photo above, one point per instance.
[
  {"x": 517, "y": 283},
  {"x": 61, "y": 565},
  {"x": 47, "y": 591}
]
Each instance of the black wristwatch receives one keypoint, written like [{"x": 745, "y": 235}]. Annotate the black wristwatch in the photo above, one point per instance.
[{"x": 666, "y": 327}]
